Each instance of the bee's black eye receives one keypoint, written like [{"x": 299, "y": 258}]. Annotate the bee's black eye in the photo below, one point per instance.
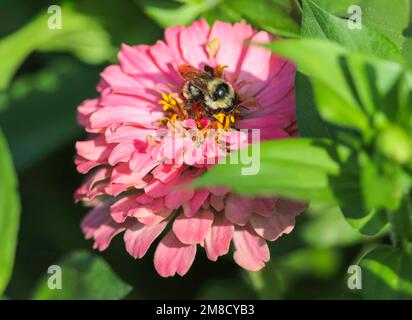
[{"x": 222, "y": 90}]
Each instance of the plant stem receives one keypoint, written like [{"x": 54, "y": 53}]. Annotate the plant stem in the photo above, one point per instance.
[{"x": 401, "y": 225}]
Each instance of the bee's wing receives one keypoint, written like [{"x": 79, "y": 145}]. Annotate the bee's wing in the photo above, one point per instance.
[{"x": 191, "y": 73}]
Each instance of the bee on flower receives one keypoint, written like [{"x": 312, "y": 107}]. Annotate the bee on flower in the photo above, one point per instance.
[{"x": 198, "y": 81}]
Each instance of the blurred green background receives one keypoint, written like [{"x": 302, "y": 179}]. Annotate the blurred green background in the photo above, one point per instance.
[{"x": 58, "y": 69}]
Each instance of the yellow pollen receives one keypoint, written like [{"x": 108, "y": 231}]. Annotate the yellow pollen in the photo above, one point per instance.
[
  {"x": 168, "y": 101},
  {"x": 224, "y": 120},
  {"x": 212, "y": 47},
  {"x": 219, "y": 70}
]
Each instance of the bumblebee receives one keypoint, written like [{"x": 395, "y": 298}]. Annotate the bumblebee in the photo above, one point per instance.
[{"x": 204, "y": 88}]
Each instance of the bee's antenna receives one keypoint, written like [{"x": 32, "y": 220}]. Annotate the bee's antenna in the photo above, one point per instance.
[{"x": 209, "y": 70}]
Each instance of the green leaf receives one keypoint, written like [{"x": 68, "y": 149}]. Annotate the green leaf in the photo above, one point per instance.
[
  {"x": 388, "y": 17},
  {"x": 321, "y": 60},
  {"x": 9, "y": 214},
  {"x": 296, "y": 168},
  {"x": 328, "y": 229},
  {"x": 361, "y": 84},
  {"x": 310, "y": 123},
  {"x": 382, "y": 186},
  {"x": 169, "y": 13},
  {"x": 369, "y": 224},
  {"x": 401, "y": 225},
  {"x": 49, "y": 99},
  {"x": 386, "y": 274},
  {"x": 317, "y": 23},
  {"x": 276, "y": 16},
  {"x": 84, "y": 276},
  {"x": 407, "y": 52},
  {"x": 127, "y": 24},
  {"x": 75, "y": 36}
]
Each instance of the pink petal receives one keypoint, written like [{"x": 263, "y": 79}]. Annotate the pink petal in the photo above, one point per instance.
[
  {"x": 272, "y": 227},
  {"x": 127, "y": 134},
  {"x": 112, "y": 115},
  {"x": 101, "y": 227},
  {"x": 166, "y": 172},
  {"x": 192, "y": 42},
  {"x": 265, "y": 206},
  {"x": 217, "y": 202},
  {"x": 93, "y": 183},
  {"x": 120, "y": 209},
  {"x": 150, "y": 218},
  {"x": 218, "y": 191},
  {"x": 142, "y": 163},
  {"x": 251, "y": 251},
  {"x": 157, "y": 189},
  {"x": 172, "y": 36},
  {"x": 232, "y": 43},
  {"x": 290, "y": 207},
  {"x": 256, "y": 65},
  {"x": 138, "y": 237},
  {"x": 173, "y": 257},
  {"x": 94, "y": 149},
  {"x": 85, "y": 110},
  {"x": 238, "y": 209},
  {"x": 182, "y": 191},
  {"x": 218, "y": 239},
  {"x": 121, "y": 153},
  {"x": 136, "y": 60},
  {"x": 115, "y": 77},
  {"x": 194, "y": 229},
  {"x": 193, "y": 205},
  {"x": 167, "y": 61},
  {"x": 123, "y": 178}
]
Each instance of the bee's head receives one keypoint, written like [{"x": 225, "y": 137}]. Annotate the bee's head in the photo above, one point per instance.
[{"x": 220, "y": 95}]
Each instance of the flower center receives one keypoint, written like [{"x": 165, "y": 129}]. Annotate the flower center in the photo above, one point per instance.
[{"x": 178, "y": 108}]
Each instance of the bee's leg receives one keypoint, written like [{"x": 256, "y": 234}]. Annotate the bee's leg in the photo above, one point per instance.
[
  {"x": 188, "y": 107},
  {"x": 209, "y": 114},
  {"x": 229, "y": 109},
  {"x": 189, "y": 110}
]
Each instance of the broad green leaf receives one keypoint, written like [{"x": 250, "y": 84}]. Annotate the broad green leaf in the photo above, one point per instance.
[
  {"x": 276, "y": 16},
  {"x": 9, "y": 214},
  {"x": 386, "y": 274},
  {"x": 310, "y": 123},
  {"x": 321, "y": 60},
  {"x": 223, "y": 12},
  {"x": 373, "y": 223},
  {"x": 49, "y": 99},
  {"x": 317, "y": 23},
  {"x": 328, "y": 228},
  {"x": 76, "y": 36},
  {"x": 361, "y": 84},
  {"x": 126, "y": 24},
  {"x": 84, "y": 276},
  {"x": 388, "y": 17},
  {"x": 296, "y": 168},
  {"x": 383, "y": 184},
  {"x": 169, "y": 13},
  {"x": 407, "y": 52},
  {"x": 401, "y": 224}
]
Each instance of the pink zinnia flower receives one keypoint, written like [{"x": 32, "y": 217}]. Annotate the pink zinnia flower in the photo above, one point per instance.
[{"x": 136, "y": 192}]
